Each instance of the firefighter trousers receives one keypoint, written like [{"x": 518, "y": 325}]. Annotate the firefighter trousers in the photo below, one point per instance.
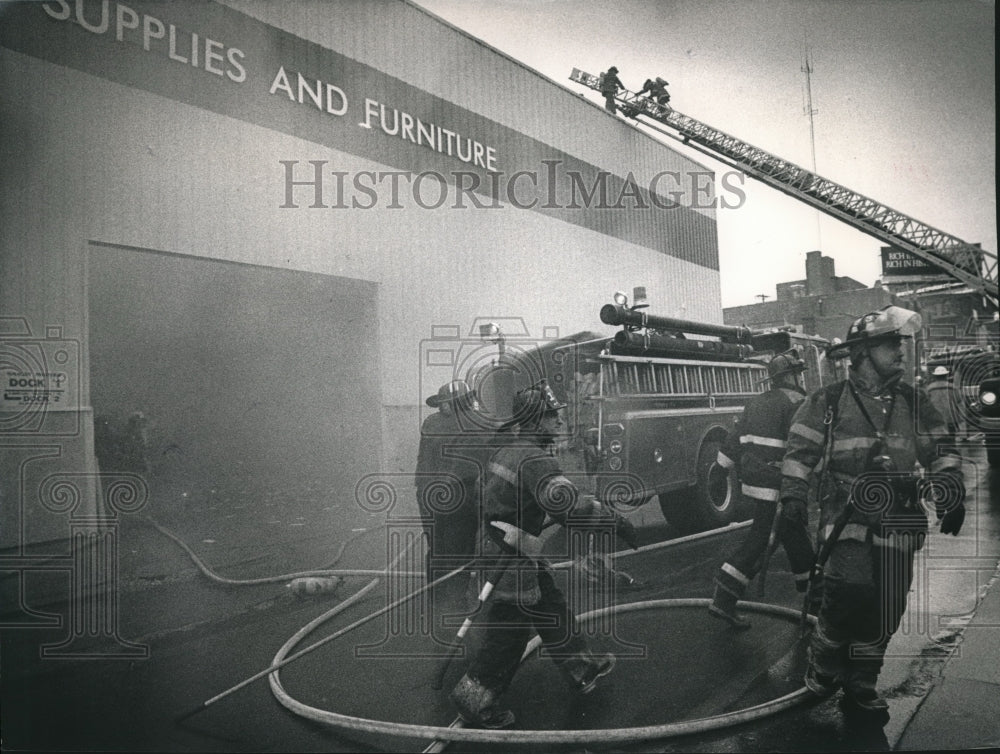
[
  {"x": 864, "y": 598},
  {"x": 794, "y": 538},
  {"x": 452, "y": 535},
  {"x": 508, "y": 627}
]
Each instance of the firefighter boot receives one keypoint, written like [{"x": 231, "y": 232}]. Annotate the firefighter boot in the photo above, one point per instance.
[
  {"x": 819, "y": 683},
  {"x": 825, "y": 663},
  {"x": 477, "y": 705},
  {"x": 729, "y": 587},
  {"x": 583, "y": 670},
  {"x": 860, "y": 692}
]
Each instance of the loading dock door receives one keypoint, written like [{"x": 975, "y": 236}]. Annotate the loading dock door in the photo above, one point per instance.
[{"x": 258, "y": 389}]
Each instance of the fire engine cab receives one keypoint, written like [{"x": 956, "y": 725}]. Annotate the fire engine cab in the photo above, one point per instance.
[{"x": 649, "y": 407}]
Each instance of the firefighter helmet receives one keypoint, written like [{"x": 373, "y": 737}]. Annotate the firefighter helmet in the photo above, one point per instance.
[
  {"x": 784, "y": 363},
  {"x": 456, "y": 390},
  {"x": 888, "y": 323},
  {"x": 532, "y": 403},
  {"x": 940, "y": 371}
]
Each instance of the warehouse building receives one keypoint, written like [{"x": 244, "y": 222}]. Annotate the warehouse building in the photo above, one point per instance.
[{"x": 251, "y": 238}]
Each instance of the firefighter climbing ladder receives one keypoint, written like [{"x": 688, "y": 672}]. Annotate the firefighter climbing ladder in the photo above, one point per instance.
[{"x": 969, "y": 264}]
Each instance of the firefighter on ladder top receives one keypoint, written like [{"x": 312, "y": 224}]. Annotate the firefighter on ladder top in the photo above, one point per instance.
[
  {"x": 657, "y": 89},
  {"x": 610, "y": 85}
]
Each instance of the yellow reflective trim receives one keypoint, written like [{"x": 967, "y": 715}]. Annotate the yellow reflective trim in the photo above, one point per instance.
[
  {"x": 853, "y": 443},
  {"x": 771, "y": 442},
  {"x": 503, "y": 472},
  {"x": 795, "y": 469},
  {"x": 724, "y": 461},
  {"x": 946, "y": 462},
  {"x": 759, "y": 493},
  {"x": 807, "y": 432},
  {"x": 735, "y": 573}
]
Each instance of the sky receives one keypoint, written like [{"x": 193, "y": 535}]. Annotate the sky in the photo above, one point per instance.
[{"x": 902, "y": 94}]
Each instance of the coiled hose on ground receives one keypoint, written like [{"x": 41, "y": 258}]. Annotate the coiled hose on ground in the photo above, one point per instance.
[
  {"x": 441, "y": 735},
  {"x": 456, "y": 732}
]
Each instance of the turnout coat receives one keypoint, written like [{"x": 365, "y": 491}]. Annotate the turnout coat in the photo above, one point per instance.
[
  {"x": 898, "y": 423},
  {"x": 757, "y": 445}
]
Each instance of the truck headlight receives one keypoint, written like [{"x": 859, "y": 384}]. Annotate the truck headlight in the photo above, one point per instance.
[{"x": 988, "y": 398}]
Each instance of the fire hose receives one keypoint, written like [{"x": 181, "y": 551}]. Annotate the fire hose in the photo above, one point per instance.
[
  {"x": 484, "y": 596},
  {"x": 455, "y": 732},
  {"x": 772, "y": 544},
  {"x": 549, "y": 737},
  {"x": 282, "y": 658}
]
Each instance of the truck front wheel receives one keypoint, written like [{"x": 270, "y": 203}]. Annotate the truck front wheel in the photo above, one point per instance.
[
  {"x": 716, "y": 498},
  {"x": 711, "y": 503}
]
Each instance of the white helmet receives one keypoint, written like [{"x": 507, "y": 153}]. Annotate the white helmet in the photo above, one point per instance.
[{"x": 887, "y": 323}]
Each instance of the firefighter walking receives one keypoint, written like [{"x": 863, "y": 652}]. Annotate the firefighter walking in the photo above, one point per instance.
[
  {"x": 871, "y": 434},
  {"x": 448, "y": 479},
  {"x": 524, "y": 485},
  {"x": 756, "y": 448}
]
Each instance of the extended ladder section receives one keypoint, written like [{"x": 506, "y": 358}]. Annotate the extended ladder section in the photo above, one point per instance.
[{"x": 967, "y": 263}]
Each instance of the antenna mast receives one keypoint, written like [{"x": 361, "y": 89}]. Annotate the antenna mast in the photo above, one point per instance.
[{"x": 810, "y": 111}]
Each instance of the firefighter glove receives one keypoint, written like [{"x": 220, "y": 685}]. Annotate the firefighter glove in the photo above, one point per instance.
[
  {"x": 951, "y": 520},
  {"x": 947, "y": 490},
  {"x": 795, "y": 510}
]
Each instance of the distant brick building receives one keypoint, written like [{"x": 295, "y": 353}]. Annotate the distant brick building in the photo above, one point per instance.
[
  {"x": 950, "y": 309},
  {"x": 823, "y": 304}
]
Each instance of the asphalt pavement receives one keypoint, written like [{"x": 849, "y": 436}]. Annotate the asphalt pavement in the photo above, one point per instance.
[{"x": 75, "y": 680}]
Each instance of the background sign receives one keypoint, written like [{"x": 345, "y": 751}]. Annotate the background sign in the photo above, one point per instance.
[{"x": 897, "y": 263}]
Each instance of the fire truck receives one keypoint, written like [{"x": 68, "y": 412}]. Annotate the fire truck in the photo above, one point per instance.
[{"x": 650, "y": 405}]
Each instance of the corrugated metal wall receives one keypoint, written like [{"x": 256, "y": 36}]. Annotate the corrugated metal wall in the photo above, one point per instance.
[
  {"x": 98, "y": 161},
  {"x": 405, "y": 41}
]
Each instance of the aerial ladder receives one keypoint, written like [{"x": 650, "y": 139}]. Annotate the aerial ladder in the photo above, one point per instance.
[{"x": 970, "y": 264}]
